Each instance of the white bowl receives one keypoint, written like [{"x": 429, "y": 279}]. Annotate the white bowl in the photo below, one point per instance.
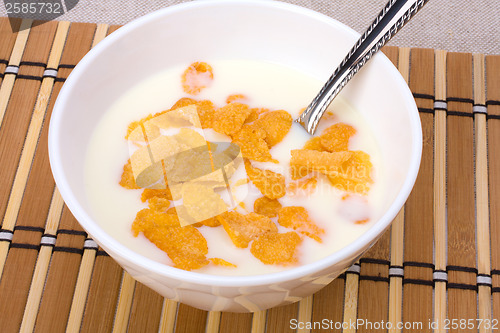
[{"x": 259, "y": 30}]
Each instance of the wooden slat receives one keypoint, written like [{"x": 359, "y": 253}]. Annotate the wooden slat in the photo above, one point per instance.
[
  {"x": 146, "y": 310},
  {"x": 61, "y": 278},
  {"x": 16, "y": 280},
  {"x": 235, "y": 322},
  {"x": 493, "y": 94},
  {"x": 460, "y": 194},
  {"x": 481, "y": 181},
  {"x": 278, "y": 319},
  {"x": 87, "y": 264},
  {"x": 15, "y": 59},
  {"x": 124, "y": 303},
  {"x": 439, "y": 209},
  {"x": 168, "y": 313},
  {"x": 351, "y": 301},
  {"x": 374, "y": 282},
  {"x": 103, "y": 295},
  {"x": 418, "y": 230},
  {"x": 7, "y": 40},
  {"x": 397, "y": 228},
  {"x": 329, "y": 303},
  {"x": 190, "y": 319}
]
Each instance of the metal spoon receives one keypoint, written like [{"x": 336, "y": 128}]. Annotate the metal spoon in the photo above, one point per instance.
[{"x": 388, "y": 22}]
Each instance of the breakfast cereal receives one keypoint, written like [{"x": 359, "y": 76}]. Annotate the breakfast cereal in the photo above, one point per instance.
[{"x": 224, "y": 183}]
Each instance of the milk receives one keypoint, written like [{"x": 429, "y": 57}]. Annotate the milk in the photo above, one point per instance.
[{"x": 265, "y": 85}]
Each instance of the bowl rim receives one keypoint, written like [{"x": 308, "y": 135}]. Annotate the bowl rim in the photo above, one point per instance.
[{"x": 116, "y": 248}]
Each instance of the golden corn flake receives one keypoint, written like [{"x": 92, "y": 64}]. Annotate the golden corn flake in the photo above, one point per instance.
[
  {"x": 160, "y": 193},
  {"x": 142, "y": 131},
  {"x": 221, "y": 262},
  {"x": 271, "y": 184},
  {"x": 255, "y": 113},
  {"x": 251, "y": 141},
  {"x": 267, "y": 207},
  {"x": 302, "y": 187},
  {"x": 149, "y": 219},
  {"x": 236, "y": 98},
  {"x": 304, "y": 160},
  {"x": 277, "y": 249},
  {"x": 354, "y": 175},
  {"x": 128, "y": 180},
  {"x": 314, "y": 143},
  {"x": 196, "y": 77},
  {"x": 186, "y": 246},
  {"x": 276, "y": 124},
  {"x": 242, "y": 229},
  {"x": 159, "y": 204},
  {"x": 297, "y": 218},
  {"x": 229, "y": 118},
  {"x": 336, "y": 137},
  {"x": 201, "y": 202}
]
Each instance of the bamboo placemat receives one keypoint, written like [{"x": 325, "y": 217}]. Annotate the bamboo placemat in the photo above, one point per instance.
[{"x": 440, "y": 260}]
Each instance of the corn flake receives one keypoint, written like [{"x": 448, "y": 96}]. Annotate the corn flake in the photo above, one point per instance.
[
  {"x": 314, "y": 143},
  {"x": 267, "y": 207},
  {"x": 276, "y": 249},
  {"x": 302, "y": 187},
  {"x": 251, "y": 141},
  {"x": 128, "y": 180},
  {"x": 201, "y": 202},
  {"x": 304, "y": 160},
  {"x": 276, "y": 124},
  {"x": 236, "y": 98},
  {"x": 230, "y": 118},
  {"x": 196, "y": 77},
  {"x": 255, "y": 113},
  {"x": 148, "y": 219},
  {"x": 297, "y": 218},
  {"x": 336, "y": 137},
  {"x": 354, "y": 175},
  {"x": 242, "y": 229},
  {"x": 271, "y": 184},
  {"x": 221, "y": 262},
  {"x": 160, "y": 193}
]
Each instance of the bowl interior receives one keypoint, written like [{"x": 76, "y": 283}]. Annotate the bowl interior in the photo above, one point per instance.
[{"x": 269, "y": 31}]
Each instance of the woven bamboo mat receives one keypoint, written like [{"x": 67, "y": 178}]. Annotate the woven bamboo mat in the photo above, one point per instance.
[{"x": 440, "y": 260}]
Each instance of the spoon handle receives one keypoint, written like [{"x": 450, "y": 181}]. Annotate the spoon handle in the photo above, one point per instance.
[{"x": 388, "y": 22}]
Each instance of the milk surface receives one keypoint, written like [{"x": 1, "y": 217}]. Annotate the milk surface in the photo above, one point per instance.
[{"x": 265, "y": 85}]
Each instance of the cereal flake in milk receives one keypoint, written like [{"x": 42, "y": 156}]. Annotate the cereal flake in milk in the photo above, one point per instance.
[{"x": 331, "y": 218}]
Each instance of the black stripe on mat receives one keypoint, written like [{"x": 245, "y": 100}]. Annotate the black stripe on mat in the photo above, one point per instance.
[
  {"x": 418, "y": 264},
  {"x": 460, "y": 100},
  {"x": 71, "y": 232},
  {"x": 423, "y": 96},
  {"x": 32, "y": 63},
  {"x": 3, "y": 61},
  {"x": 425, "y": 110},
  {"x": 29, "y": 228},
  {"x": 374, "y": 261},
  {"x": 418, "y": 282},
  {"x": 492, "y": 102},
  {"x": 102, "y": 253},
  {"x": 373, "y": 278},
  {"x": 462, "y": 286},
  {"x": 461, "y": 269},
  {"x": 66, "y": 66},
  {"x": 459, "y": 113},
  {"x": 68, "y": 249},
  {"x": 24, "y": 246},
  {"x": 29, "y": 77}
]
